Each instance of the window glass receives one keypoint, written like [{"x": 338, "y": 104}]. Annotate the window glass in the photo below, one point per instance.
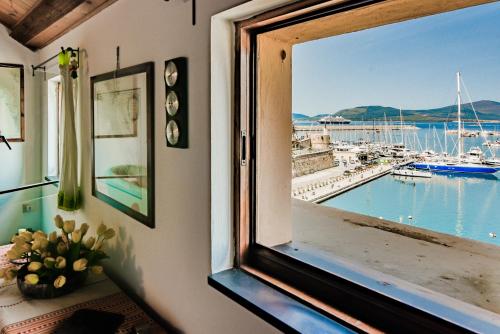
[{"x": 381, "y": 149}]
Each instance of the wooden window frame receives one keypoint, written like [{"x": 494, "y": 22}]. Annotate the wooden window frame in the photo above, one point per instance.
[
  {"x": 21, "y": 102},
  {"x": 353, "y": 304}
]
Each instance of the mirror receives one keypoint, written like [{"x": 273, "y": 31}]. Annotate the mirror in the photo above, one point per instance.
[
  {"x": 12, "y": 102},
  {"x": 123, "y": 140}
]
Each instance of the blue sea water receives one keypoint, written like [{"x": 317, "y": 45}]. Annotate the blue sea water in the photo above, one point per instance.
[{"x": 462, "y": 205}]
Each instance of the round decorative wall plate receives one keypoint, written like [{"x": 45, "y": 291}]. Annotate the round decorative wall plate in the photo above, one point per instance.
[
  {"x": 172, "y": 103},
  {"x": 172, "y": 132},
  {"x": 171, "y": 74}
]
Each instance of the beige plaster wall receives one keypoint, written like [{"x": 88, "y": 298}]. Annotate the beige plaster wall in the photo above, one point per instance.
[{"x": 167, "y": 266}]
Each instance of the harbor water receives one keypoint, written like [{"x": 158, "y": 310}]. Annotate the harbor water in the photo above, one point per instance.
[{"x": 462, "y": 205}]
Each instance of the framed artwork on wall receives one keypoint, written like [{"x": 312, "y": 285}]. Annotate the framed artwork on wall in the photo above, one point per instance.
[
  {"x": 123, "y": 140},
  {"x": 112, "y": 125},
  {"x": 12, "y": 102}
]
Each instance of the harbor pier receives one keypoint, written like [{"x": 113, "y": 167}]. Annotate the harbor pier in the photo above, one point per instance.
[
  {"x": 356, "y": 127},
  {"x": 323, "y": 185}
]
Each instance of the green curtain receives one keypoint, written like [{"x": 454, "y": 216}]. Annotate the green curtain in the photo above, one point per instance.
[{"x": 69, "y": 192}]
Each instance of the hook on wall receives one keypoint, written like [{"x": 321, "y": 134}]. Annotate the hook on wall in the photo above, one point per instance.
[{"x": 117, "y": 58}]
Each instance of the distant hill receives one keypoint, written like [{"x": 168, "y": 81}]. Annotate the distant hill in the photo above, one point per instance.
[
  {"x": 486, "y": 111},
  {"x": 299, "y": 116}
]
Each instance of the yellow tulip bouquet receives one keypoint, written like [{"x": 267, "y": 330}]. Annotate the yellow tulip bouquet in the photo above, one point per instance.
[{"x": 58, "y": 263}]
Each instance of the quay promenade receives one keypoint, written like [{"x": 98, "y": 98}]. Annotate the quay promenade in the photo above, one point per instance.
[
  {"x": 321, "y": 186},
  {"x": 355, "y": 127}
]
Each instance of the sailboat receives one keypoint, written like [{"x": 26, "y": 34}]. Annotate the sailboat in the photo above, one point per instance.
[{"x": 462, "y": 163}]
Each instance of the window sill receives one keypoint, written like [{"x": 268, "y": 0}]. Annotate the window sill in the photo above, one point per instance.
[{"x": 278, "y": 309}]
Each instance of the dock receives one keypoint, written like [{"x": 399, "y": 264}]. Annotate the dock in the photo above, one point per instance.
[
  {"x": 353, "y": 127},
  {"x": 321, "y": 186}
]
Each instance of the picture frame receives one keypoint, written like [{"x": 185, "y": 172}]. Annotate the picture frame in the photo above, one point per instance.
[
  {"x": 122, "y": 123},
  {"x": 12, "y": 102}
]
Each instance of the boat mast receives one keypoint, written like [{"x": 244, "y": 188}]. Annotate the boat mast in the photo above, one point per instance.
[
  {"x": 445, "y": 138},
  {"x": 459, "y": 132},
  {"x": 401, "y": 123}
]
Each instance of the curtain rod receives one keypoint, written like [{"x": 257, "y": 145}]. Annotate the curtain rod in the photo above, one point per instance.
[{"x": 41, "y": 65}]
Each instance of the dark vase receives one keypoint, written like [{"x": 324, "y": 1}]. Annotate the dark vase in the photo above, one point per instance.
[{"x": 46, "y": 291}]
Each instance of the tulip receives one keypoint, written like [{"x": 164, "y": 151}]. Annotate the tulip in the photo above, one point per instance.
[
  {"x": 109, "y": 233},
  {"x": 89, "y": 242},
  {"x": 69, "y": 226},
  {"x": 76, "y": 236},
  {"x": 53, "y": 237},
  {"x": 40, "y": 244},
  {"x": 31, "y": 279},
  {"x": 64, "y": 238},
  {"x": 98, "y": 244},
  {"x": 60, "y": 262},
  {"x": 96, "y": 270},
  {"x": 26, "y": 235},
  {"x": 84, "y": 228},
  {"x": 23, "y": 248},
  {"x": 49, "y": 262},
  {"x": 39, "y": 235},
  {"x": 61, "y": 247},
  {"x": 59, "y": 221},
  {"x": 34, "y": 266},
  {"x": 101, "y": 229},
  {"x": 80, "y": 265},
  {"x": 9, "y": 274},
  {"x": 13, "y": 254},
  {"x": 59, "y": 281},
  {"x": 36, "y": 245},
  {"x": 18, "y": 240}
]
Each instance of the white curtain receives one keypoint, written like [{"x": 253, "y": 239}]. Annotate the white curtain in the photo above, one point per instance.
[{"x": 69, "y": 193}]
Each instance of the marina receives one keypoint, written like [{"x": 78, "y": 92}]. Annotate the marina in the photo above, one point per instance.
[
  {"x": 346, "y": 166},
  {"x": 353, "y": 127}
]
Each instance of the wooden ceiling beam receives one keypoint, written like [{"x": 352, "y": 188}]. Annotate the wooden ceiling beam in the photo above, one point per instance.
[{"x": 44, "y": 14}]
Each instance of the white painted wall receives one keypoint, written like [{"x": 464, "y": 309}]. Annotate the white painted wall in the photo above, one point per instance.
[
  {"x": 22, "y": 164},
  {"x": 167, "y": 266}
]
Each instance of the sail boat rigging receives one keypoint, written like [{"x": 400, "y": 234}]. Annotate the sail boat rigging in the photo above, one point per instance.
[{"x": 472, "y": 162}]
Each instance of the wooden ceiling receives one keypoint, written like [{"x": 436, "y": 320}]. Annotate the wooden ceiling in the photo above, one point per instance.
[{"x": 36, "y": 23}]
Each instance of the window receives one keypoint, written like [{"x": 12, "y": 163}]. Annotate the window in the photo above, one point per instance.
[
  {"x": 12, "y": 102},
  {"x": 54, "y": 142},
  {"x": 388, "y": 269}
]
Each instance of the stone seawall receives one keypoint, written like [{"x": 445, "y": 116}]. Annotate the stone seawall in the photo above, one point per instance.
[{"x": 309, "y": 163}]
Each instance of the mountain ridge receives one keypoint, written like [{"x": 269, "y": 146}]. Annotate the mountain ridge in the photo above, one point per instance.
[{"x": 486, "y": 110}]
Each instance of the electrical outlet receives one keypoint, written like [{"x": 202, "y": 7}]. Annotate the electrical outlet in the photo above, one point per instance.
[{"x": 27, "y": 208}]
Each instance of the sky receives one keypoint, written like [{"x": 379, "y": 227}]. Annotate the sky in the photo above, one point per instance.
[{"x": 410, "y": 65}]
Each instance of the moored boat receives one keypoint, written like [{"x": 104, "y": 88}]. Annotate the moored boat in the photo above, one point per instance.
[
  {"x": 411, "y": 172},
  {"x": 471, "y": 162},
  {"x": 334, "y": 120}
]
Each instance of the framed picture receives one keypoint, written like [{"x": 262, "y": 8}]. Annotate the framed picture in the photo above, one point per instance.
[
  {"x": 12, "y": 102},
  {"x": 123, "y": 140},
  {"x": 109, "y": 123}
]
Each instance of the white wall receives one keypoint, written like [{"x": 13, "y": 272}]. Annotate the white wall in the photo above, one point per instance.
[
  {"x": 167, "y": 266},
  {"x": 21, "y": 165}
]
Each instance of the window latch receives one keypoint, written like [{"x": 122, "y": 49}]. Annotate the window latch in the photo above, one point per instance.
[{"x": 243, "y": 157}]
